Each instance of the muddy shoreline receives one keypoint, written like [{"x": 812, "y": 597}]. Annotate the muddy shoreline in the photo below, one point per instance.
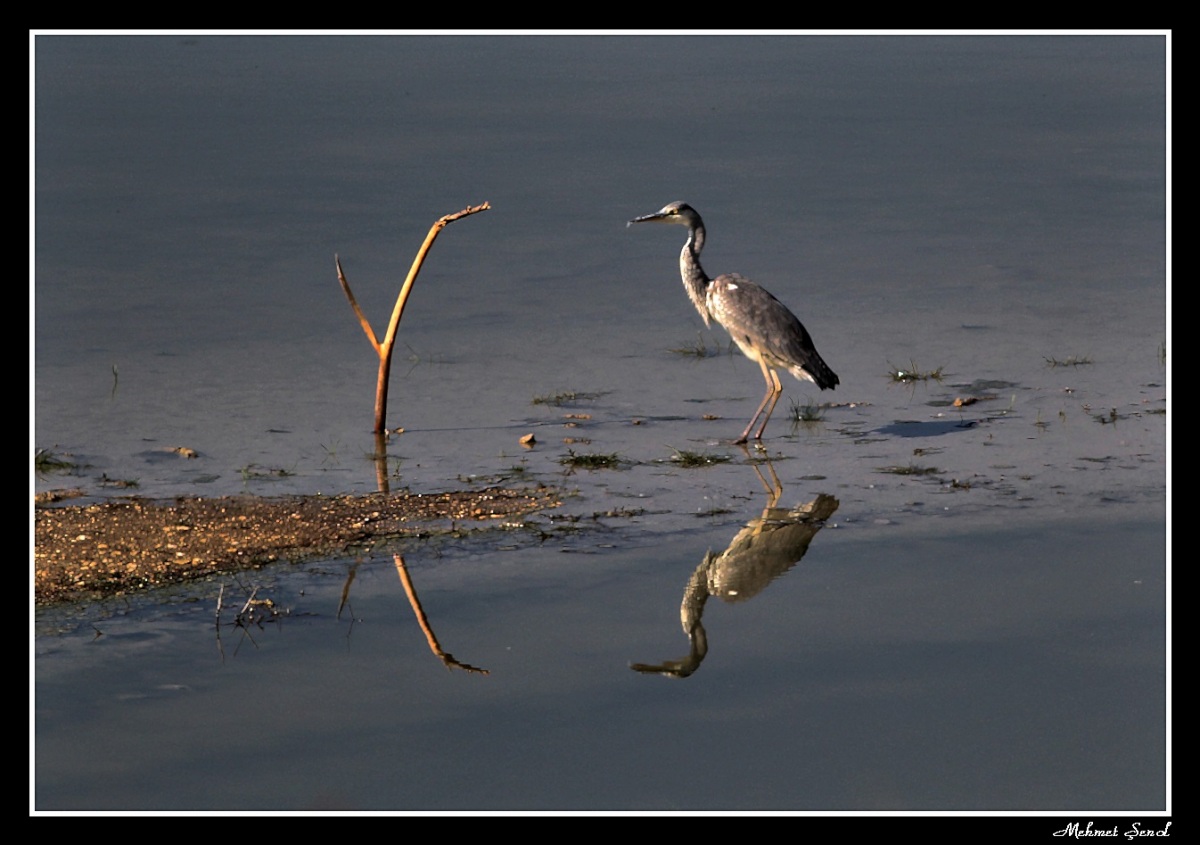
[{"x": 86, "y": 552}]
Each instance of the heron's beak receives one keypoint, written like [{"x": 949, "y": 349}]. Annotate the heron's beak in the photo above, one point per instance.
[{"x": 646, "y": 218}]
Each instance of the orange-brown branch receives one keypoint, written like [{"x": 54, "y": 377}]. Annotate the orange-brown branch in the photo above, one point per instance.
[
  {"x": 384, "y": 349},
  {"x": 362, "y": 318}
]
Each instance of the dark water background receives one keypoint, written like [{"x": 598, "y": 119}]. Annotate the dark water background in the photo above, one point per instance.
[{"x": 990, "y": 635}]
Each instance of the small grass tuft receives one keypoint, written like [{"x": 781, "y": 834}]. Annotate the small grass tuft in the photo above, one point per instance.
[
  {"x": 809, "y": 412},
  {"x": 697, "y": 459},
  {"x": 593, "y": 461},
  {"x": 46, "y": 462},
  {"x": 699, "y": 349},
  {"x": 912, "y": 373}
]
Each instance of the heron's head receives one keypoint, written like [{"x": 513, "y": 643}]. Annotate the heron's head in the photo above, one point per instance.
[{"x": 676, "y": 212}]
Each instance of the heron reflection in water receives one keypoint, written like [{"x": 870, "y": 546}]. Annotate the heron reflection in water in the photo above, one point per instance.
[{"x": 768, "y": 546}]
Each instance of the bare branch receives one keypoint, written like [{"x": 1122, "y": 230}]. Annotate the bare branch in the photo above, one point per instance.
[
  {"x": 362, "y": 318},
  {"x": 384, "y": 349},
  {"x": 434, "y": 230}
]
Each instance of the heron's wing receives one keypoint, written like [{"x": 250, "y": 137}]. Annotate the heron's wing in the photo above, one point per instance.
[{"x": 765, "y": 329}]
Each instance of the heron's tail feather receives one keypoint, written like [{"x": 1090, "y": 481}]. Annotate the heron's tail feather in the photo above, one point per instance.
[{"x": 816, "y": 371}]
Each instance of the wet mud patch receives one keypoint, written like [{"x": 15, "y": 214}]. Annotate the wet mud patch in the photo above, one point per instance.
[{"x": 94, "y": 551}]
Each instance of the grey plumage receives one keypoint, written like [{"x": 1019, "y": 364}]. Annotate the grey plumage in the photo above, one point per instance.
[{"x": 761, "y": 326}]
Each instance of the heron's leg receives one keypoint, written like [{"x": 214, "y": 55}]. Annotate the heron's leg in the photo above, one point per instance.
[
  {"x": 776, "y": 392},
  {"x": 774, "y": 388}
]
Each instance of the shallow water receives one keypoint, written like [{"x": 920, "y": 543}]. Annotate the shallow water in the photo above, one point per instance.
[
  {"x": 899, "y": 676},
  {"x": 981, "y": 625}
]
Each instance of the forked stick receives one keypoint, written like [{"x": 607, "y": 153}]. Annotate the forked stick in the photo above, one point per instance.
[{"x": 384, "y": 349}]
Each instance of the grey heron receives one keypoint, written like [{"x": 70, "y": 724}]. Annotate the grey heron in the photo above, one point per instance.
[{"x": 761, "y": 326}]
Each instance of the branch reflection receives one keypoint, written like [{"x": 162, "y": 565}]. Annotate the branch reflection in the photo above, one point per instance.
[{"x": 448, "y": 660}]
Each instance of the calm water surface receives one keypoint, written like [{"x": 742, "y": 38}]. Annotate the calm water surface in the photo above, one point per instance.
[{"x": 980, "y": 624}]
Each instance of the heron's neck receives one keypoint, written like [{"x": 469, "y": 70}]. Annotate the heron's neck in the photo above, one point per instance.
[{"x": 695, "y": 280}]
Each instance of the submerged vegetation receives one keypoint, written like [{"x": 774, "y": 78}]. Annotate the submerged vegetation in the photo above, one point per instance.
[
  {"x": 911, "y": 469},
  {"x": 1069, "y": 361},
  {"x": 122, "y": 483},
  {"x": 252, "y": 471},
  {"x": 564, "y": 397}
]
